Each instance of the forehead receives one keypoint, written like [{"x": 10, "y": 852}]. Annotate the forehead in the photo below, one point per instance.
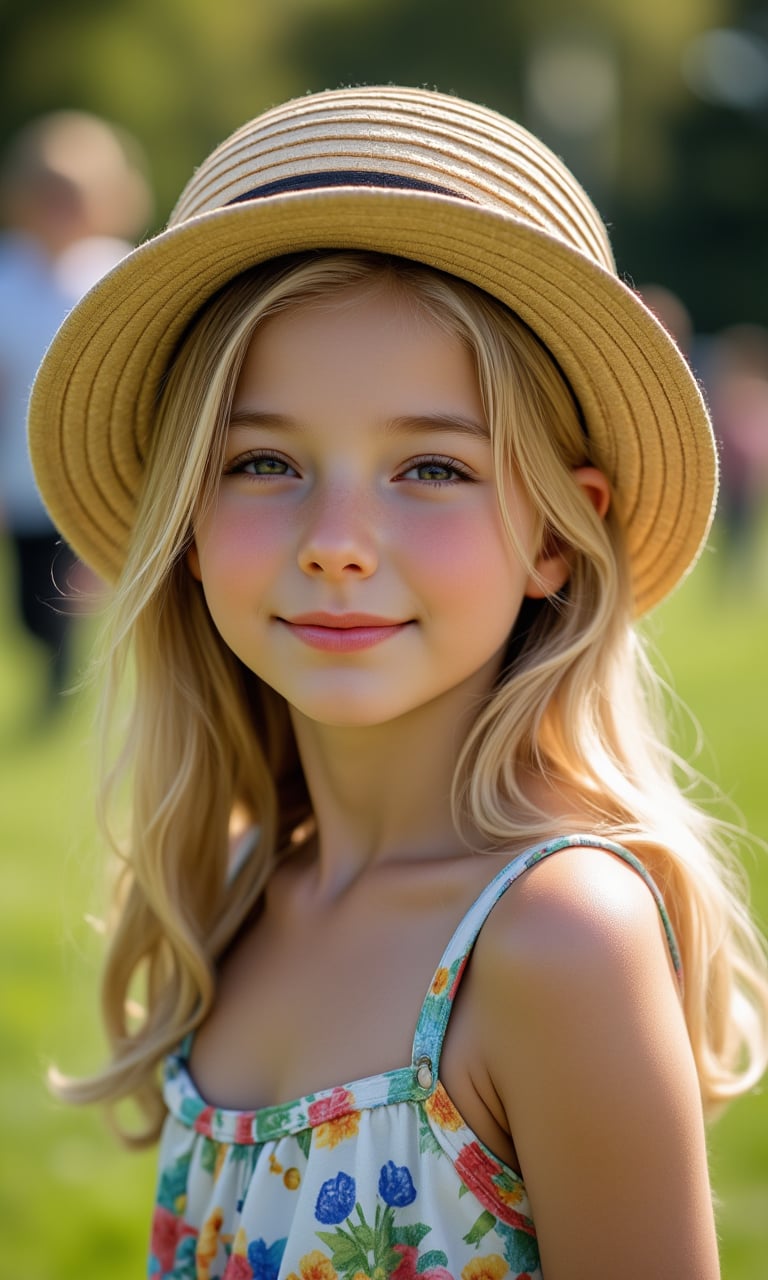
[{"x": 356, "y": 345}]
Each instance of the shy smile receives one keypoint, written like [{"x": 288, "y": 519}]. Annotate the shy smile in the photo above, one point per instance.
[{"x": 341, "y": 633}]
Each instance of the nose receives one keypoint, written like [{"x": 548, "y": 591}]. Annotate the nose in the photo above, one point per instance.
[{"x": 338, "y": 540}]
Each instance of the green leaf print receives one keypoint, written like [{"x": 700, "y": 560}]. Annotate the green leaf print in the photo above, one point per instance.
[
  {"x": 208, "y": 1155},
  {"x": 304, "y": 1139},
  {"x": 520, "y": 1249},
  {"x": 373, "y": 1248},
  {"x": 242, "y": 1153},
  {"x": 389, "y": 1261},
  {"x": 427, "y": 1140},
  {"x": 398, "y": 1085},
  {"x": 364, "y": 1235},
  {"x": 273, "y": 1120},
  {"x": 173, "y": 1183},
  {"x": 485, "y": 1223},
  {"x": 384, "y": 1255},
  {"x": 411, "y": 1235},
  {"x": 432, "y": 1258},
  {"x": 185, "y": 1262},
  {"x": 346, "y": 1254}
]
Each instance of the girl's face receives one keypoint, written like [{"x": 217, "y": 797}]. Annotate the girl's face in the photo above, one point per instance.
[{"x": 354, "y": 556}]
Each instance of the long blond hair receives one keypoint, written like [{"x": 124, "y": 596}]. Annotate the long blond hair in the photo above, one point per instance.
[{"x": 577, "y": 702}]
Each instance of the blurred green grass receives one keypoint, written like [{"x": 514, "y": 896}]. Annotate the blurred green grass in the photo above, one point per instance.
[{"x": 73, "y": 1203}]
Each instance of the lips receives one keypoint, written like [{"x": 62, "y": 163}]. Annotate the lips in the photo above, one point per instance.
[
  {"x": 341, "y": 621},
  {"x": 341, "y": 632}
]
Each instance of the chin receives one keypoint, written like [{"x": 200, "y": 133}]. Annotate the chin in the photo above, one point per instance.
[{"x": 337, "y": 717}]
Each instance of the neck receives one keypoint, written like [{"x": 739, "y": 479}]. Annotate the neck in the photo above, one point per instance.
[{"x": 382, "y": 793}]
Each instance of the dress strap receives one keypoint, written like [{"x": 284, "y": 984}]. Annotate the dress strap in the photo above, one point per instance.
[{"x": 436, "y": 1010}]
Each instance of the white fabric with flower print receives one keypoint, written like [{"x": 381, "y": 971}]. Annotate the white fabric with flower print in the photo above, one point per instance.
[{"x": 376, "y": 1179}]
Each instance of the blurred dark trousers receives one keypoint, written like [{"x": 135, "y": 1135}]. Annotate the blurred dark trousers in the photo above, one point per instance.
[{"x": 43, "y": 564}]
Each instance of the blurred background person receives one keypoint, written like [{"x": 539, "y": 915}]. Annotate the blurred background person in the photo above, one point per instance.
[
  {"x": 737, "y": 380},
  {"x": 732, "y": 366},
  {"x": 73, "y": 198}
]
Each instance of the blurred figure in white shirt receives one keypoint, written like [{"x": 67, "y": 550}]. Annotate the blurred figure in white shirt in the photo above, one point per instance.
[{"x": 73, "y": 199}]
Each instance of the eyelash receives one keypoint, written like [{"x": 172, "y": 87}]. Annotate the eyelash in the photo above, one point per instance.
[
  {"x": 238, "y": 467},
  {"x": 441, "y": 463}
]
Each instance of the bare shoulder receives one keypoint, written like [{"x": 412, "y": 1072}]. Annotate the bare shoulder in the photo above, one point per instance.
[
  {"x": 577, "y": 950},
  {"x": 574, "y": 958},
  {"x": 578, "y": 909},
  {"x": 583, "y": 1035}
]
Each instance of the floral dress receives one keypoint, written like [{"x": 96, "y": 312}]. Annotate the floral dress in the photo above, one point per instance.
[{"x": 372, "y": 1180}]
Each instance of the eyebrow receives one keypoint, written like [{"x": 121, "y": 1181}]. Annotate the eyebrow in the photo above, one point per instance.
[{"x": 404, "y": 424}]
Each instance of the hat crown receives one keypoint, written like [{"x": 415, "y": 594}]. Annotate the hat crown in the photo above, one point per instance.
[{"x": 403, "y": 137}]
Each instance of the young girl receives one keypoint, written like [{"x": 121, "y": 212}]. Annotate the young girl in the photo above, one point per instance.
[{"x": 382, "y": 460}]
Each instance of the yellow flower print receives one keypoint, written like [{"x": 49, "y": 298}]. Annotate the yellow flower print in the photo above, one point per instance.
[
  {"x": 208, "y": 1243},
  {"x": 492, "y": 1267},
  {"x": 291, "y": 1179},
  {"x": 314, "y": 1266},
  {"x": 440, "y": 981},
  {"x": 240, "y": 1246},
  {"x": 442, "y": 1110},
  {"x": 509, "y": 1192},
  {"x": 332, "y": 1132},
  {"x": 221, "y": 1156},
  {"x": 274, "y": 1165}
]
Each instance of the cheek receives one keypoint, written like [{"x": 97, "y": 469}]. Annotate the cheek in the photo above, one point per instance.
[
  {"x": 468, "y": 557},
  {"x": 233, "y": 542},
  {"x": 238, "y": 559}
]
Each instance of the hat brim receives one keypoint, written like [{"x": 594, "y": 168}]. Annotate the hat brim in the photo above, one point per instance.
[{"x": 92, "y": 406}]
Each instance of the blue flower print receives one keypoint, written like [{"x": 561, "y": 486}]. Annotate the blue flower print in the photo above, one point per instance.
[
  {"x": 396, "y": 1185},
  {"x": 265, "y": 1259},
  {"x": 336, "y": 1199}
]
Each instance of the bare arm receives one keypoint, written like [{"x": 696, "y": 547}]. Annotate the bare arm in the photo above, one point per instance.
[{"x": 588, "y": 1051}]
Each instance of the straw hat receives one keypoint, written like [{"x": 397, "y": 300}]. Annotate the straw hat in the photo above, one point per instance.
[{"x": 400, "y": 171}]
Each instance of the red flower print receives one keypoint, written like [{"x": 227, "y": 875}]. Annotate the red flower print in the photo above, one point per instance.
[
  {"x": 473, "y": 1165},
  {"x": 338, "y": 1103},
  {"x": 478, "y": 1170},
  {"x": 244, "y": 1127},
  {"x": 457, "y": 979},
  {"x": 204, "y": 1121},
  {"x": 406, "y": 1268},
  {"x": 167, "y": 1231},
  {"x": 238, "y": 1268}
]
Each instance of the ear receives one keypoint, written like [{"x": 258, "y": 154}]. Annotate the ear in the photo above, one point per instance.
[
  {"x": 552, "y": 566},
  {"x": 193, "y": 561}
]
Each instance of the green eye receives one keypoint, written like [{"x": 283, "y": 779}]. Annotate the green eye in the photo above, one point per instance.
[
  {"x": 266, "y": 467},
  {"x": 434, "y": 471},
  {"x": 260, "y": 465}
]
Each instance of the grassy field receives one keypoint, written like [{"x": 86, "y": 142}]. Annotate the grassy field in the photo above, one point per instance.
[{"x": 72, "y": 1202}]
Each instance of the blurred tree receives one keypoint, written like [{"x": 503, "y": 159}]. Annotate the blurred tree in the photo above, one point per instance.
[
  {"x": 716, "y": 199},
  {"x": 680, "y": 180}
]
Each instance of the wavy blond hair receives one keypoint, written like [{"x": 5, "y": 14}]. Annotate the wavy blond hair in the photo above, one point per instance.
[{"x": 577, "y": 702}]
